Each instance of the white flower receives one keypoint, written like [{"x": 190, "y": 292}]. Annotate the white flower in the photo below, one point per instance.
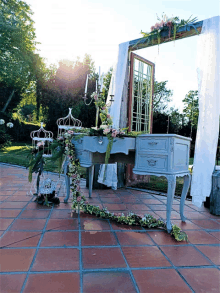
[
  {"x": 10, "y": 125},
  {"x": 144, "y": 219},
  {"x": 2, "y": 121}
]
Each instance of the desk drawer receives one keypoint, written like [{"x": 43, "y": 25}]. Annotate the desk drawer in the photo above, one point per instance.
[
  {"x": 152, "y": 163},
  {"x": 153, "y": 144}
]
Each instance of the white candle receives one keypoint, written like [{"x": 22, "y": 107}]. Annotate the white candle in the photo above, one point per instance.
[
  {"x": 112, "y": 85},
  {"x": 102, "y": 82},
  {"x": 99, "y": 74},
  {"x": 96, "y": 86},
  {"x": 86, "y": 83}
]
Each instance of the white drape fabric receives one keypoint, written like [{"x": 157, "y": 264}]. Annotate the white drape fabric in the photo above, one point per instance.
[
  {"x": 208, "y": 69},
  {"x": 117, "y": 83},
  {"x": 118, "y": 77},
  {"x": 111, "y": 178}
]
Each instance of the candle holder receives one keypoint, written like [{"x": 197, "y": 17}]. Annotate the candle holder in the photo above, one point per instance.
[
  {"x": 96, "y": 94},
  {"x": 112, "y": 99}
]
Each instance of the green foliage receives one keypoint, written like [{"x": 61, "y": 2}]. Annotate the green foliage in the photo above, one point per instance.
[
  {"x": 5, "y": 138},
  {"x": 20, "y": 131},
  {"x": 58, "y": 149},
  {"x": 17, "y": 46},
  {"x": 36, "y": 163},
  {"x": 162, "y": 96},
  {"x": 27, "y": 110},
  {"x": 171, "y": 24},
  {"x": 178, "y": 234},
  {"x": 148, "y": 221},
  {"x": 109, "y": 148},
  {"x": 106, "y": 82},
  {"x": 191, "y": 107},
  {"x": 63, "y": 88}
]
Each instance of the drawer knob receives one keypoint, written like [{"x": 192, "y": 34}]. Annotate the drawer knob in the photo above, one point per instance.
[
  {"x": 152, "y": 143},
  {"x": 152, "y": 162}
]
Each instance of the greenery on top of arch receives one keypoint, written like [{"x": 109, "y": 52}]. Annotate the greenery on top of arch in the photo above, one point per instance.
[{"x": 170, "y": 24}]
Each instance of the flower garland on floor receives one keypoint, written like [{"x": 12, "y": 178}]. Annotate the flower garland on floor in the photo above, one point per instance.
[{"x": 81, "y": 203}]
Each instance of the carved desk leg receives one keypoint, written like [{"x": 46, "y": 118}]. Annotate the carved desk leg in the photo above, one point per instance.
[
  {"x": 170, "y": 195},
  {"x": 187, "y": 180},
  {"x": 91, "y": 172}
]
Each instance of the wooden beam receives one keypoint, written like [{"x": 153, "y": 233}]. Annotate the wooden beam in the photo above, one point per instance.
[{"x": 182, "y": 32}]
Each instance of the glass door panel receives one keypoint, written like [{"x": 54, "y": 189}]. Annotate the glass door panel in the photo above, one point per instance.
[{"x": 140, "y": 94}]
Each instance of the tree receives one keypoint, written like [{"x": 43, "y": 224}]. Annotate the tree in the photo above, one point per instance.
[
  {"x": 177, "y": 119},
  {"x": 162, "y": 96},
  {"x": 17, "y": 46},
  {"x": 191, "y": 107},
  {"x": 64, "y": 88}
]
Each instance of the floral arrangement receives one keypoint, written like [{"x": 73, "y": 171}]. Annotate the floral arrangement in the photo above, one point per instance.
[
  {"x": 171, "y": 24},
  {"x": 81, "y": 203},
  {"x": 103, "y": 109},
  {"x": 63, "y": 147}
]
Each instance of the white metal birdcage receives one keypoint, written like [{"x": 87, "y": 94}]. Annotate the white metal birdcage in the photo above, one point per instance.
[
  {"x": 67, "y": 123},
  {"x": 41, "y": 140}
]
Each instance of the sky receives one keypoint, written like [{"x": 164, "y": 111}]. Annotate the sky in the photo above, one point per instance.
[{"x": 70, "y": 28}]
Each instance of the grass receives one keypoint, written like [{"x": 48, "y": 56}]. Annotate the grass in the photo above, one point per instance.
[
  {"x": 160, "y": 184},
  {"x": 17, "y": 154}
]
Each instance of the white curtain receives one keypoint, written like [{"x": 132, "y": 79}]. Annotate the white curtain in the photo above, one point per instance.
[
  {"x": 116, "y": 88},
  {"x": 208, "y": 70},
  {"x": 117, "y": 81}
]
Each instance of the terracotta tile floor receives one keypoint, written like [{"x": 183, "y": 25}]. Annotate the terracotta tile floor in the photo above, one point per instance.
[{"x": 47, "y": 250}]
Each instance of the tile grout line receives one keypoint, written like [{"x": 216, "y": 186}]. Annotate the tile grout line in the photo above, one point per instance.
[
  {"x": 173, "y": 266},
  {"x": 80, "y": 255},
  {"x": 15, "y": 218},
  {"x": 114, "y": 232},
  {"x": 206, "y": 257},
  {"x": 128, "y": 267},
  {"x": 36, "y": 252}
]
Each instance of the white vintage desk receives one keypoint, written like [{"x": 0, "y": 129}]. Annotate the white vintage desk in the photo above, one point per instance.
[{"x": 152, "y": 154}]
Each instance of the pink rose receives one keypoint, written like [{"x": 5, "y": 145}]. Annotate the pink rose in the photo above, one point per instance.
[
  {"x": 96, "y": 97},
  {"x": 157, "y": 25},
  {"x": 70, "y": 131},
  {"x": 152, "y": 28},
  {"x": 107, "y": 130},
  {"x": 108, "y": 116},
  {"x": 41, "y": 143},
  {"x": 103, "y": 108},
  {"x": 78, "y": 188}
]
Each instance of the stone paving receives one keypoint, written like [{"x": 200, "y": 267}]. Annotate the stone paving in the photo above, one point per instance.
[{"x": 47, "y": 250}]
